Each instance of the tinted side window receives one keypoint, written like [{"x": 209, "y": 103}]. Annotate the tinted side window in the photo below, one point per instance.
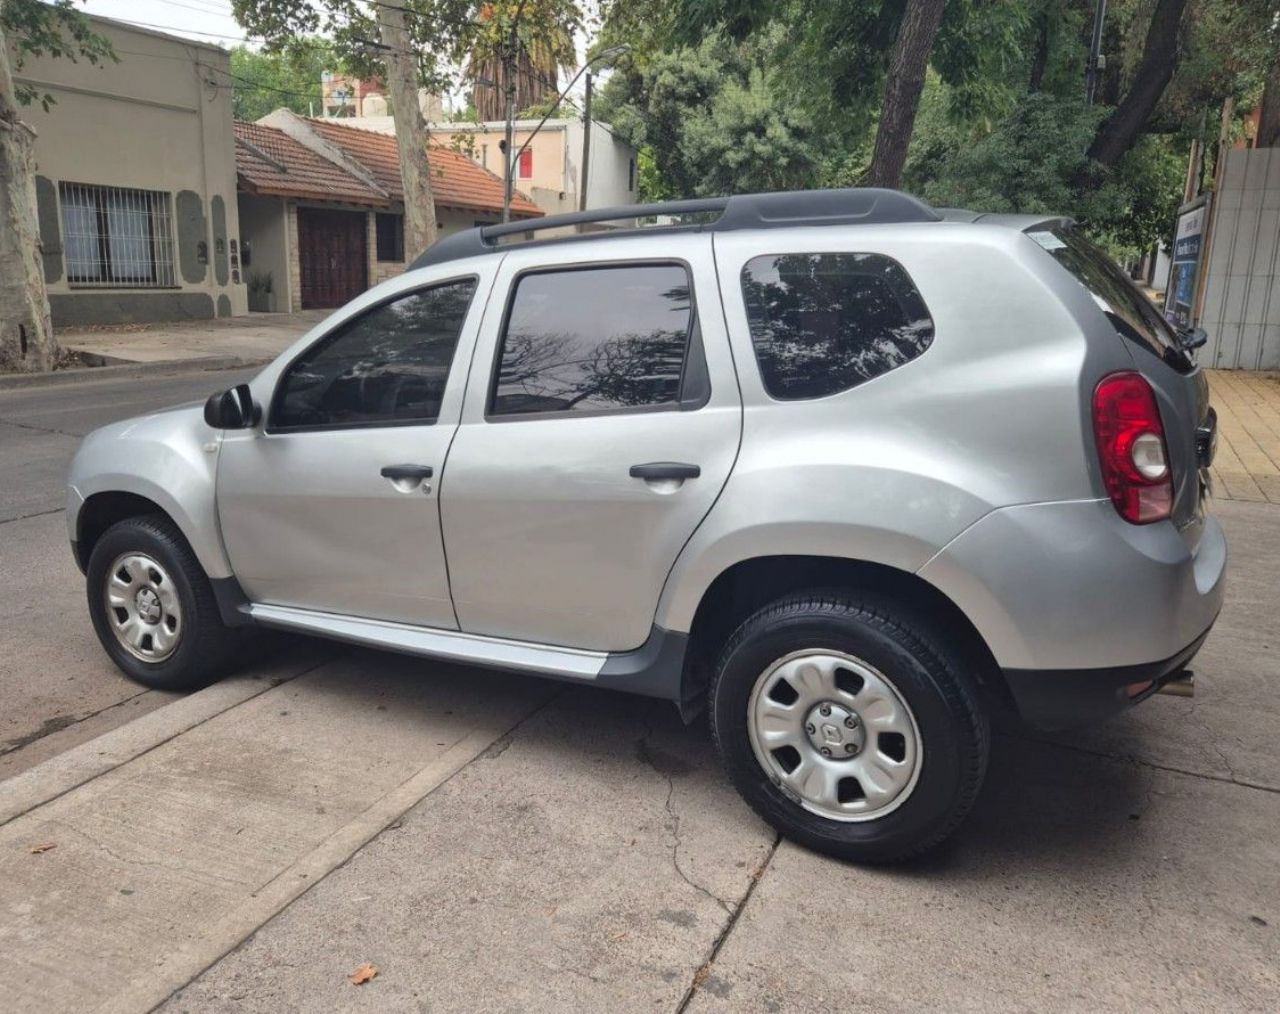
[
  {"x": 823, "y": 323},
  {"x": 611, "y": 338},
  {"x": 387, "y": 366}
]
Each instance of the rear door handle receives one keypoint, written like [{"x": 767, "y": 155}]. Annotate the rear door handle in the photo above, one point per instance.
[
  {"x": 407, "y": 472},
  {"x": 665, "y": 470}
]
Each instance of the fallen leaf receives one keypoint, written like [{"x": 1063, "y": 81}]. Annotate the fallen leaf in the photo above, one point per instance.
[
  {"x": 618, "y": 936},
  {"x": 43, "y": 847},
  {"x": 363, "y": 974}
]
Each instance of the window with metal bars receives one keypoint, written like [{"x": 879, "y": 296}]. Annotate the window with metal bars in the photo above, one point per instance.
[{"x": 116, "y": 237}]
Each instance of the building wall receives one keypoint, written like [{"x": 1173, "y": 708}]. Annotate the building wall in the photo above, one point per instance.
[
  {"x": 264, "y": 229},
  {"x": 158, "y": 121},
  {"x": 1241, "y": 309},
  {"x": 448, "y": 220}
]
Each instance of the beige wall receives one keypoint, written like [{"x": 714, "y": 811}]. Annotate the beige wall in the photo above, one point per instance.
[
  {"x": 550, "y": 170},
  {"x": 159, "y": 120}
]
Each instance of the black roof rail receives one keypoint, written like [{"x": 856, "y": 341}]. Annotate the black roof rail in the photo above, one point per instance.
[{"x": 852, "y": 206}]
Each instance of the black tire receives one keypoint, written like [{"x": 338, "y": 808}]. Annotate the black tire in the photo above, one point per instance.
[
  {"x": 954, "y": 732},
  {"x": 204, "y": 643}
]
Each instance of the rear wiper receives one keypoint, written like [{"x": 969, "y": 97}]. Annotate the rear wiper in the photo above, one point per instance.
[{"x": 1190, "y": 338}]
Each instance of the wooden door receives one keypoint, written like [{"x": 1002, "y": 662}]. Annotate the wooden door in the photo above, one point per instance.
[{"x": 332, "y": 256}]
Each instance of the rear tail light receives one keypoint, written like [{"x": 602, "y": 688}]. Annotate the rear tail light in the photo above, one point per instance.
[{"x": 1132, "y": 448}]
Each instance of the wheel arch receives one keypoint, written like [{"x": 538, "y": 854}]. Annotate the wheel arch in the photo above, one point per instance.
[{"x": 743, "y": 587}]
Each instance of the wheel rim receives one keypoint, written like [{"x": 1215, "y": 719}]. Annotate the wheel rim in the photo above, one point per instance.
[
  {"x": 834, "y": 735},
  {"x": 143, "y": 610}
]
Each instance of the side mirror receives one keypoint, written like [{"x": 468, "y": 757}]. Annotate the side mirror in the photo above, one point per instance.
[{"x": 232, "y": 409}]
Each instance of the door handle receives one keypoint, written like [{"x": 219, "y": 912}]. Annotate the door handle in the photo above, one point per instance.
[
  {"x": 665, "y": 470},
  {"x": 407, "y": 472}
]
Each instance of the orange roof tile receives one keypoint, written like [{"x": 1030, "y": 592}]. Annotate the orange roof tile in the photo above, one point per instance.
[
  {"x": 456, "y": 181},
  {"x": 270, "y": 162}
]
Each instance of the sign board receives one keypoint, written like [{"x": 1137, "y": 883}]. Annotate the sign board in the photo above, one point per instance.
[{"x": 1186, "y": 268}]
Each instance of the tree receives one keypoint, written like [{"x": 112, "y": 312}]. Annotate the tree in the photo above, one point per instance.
[
  {"x": 31, "y": 28},
  {"x": 1121, "y": 129},
  {"x": 712, "y": 119},
  {"x": 903, "y": 85},
  {"x": 266, "y": 81},
  {"x": 519, "y": 46}
]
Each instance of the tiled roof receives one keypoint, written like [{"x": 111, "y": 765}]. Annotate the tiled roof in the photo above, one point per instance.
[
  {"x": 270, "y": 162},
  {"x": 456, "y": 181}
]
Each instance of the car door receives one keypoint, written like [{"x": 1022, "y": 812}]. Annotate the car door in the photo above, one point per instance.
[
  {"x": 330, "y": 503},
  {"x": 601, "y": 421}
]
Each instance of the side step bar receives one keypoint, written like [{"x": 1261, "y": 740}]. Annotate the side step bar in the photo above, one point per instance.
[{"x": 449, "y": 645}]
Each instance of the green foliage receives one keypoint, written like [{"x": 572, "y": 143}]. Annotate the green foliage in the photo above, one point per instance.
[
  {"x": 54, "y": 28},
  {"x": 264, "y": 81},
  {"x": 711, "y": 119}
]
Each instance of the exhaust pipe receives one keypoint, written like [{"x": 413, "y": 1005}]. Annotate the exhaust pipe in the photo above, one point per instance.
[{"x": 1181, "y": 684}]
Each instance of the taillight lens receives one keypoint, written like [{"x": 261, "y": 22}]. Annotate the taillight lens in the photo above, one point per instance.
[{"x": 1132, "y": 448}]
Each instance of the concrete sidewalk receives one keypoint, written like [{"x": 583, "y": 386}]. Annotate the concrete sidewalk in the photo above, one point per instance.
[
  {"x": 502, "y": 843},
  {"x": 1247, "y": 466},
  {"x": 257, "y": 337}
]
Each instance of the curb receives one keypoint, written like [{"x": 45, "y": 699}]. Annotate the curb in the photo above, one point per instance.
[{"x": 125, "y": 371}]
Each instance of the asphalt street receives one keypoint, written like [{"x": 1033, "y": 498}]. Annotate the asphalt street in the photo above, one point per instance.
[
  {"x": 57, "y": 686},
  {"x": 498, "y": 843}
]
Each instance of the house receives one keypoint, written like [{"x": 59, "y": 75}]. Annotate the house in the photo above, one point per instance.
[
  {"x": 321, "y": 207},
  {"x": 136, "y": 182},
  {"x": 549, "y": 170}
]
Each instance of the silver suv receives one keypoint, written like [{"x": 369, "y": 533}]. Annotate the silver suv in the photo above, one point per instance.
[{"x": 855, "y": 474}]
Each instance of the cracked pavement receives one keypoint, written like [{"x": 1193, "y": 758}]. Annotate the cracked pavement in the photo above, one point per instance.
[{"x": 507, "y": 844}]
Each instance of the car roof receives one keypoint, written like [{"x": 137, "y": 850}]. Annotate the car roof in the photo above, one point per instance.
[{"x": 781, "y": 210}]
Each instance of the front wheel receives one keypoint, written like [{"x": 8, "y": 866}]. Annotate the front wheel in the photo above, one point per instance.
[
  {"x": 849, "y": 726},
  {"x": 153, "y": 608}
]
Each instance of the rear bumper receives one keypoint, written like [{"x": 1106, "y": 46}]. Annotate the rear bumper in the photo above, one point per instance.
[
  {"x": 1051, "y": 700},
  {"x": 1070, "y": 585}
]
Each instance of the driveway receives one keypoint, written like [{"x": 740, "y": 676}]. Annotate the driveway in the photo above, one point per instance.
[{"x": 492, "y": 842}]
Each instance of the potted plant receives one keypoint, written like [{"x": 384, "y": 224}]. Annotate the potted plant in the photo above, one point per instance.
[{"x": 262, "y": 294}]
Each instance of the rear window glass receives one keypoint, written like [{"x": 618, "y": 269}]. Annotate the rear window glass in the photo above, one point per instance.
[
  {"x": 1131, "y": 313},
  {"x": 823, "y": 323}
]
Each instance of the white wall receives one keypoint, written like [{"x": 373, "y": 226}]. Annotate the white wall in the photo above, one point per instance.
[{"x": 1242, "y": 288}]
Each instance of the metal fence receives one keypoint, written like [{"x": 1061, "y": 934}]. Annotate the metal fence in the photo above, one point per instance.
[{"x": 117, "y": 238}]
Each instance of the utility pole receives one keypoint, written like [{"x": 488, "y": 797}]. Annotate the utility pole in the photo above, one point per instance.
[
  {"x": 586, "y": 145},
  {"x": 508, "y": 159},
  {"x": 1097, "y": 62}
]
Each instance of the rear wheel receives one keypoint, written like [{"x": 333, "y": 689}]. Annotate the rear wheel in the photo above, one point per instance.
[
  {"x": 849, "y": 726},
  {"x": 153, "y": 608}
]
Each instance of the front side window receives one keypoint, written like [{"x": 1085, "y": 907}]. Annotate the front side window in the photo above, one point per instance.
[
  {"x": 387, "y": 367},
  {"x": 823, "y": 323},
  {"x": 114, "y": 237},
  {"x": 598, "y": 339}
]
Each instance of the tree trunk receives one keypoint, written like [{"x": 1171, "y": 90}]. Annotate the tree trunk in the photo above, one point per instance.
[
  {"x": 411, "y": 132},
  {"x": 903, "y": 85},
  {"x": 1040, "y": 58},
  {"x": 1269, "y": 118},
  {"x": 27, "y": 343},
  {"x": 1122, "y": 128}
]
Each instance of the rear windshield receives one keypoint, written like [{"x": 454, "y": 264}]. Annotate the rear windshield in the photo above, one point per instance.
[{"x": 1131, "y": 313}]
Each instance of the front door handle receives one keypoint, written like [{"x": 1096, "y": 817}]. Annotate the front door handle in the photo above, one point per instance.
[
  {"x": 665, "y": 470},
  {"x": 418, "y": 472}
]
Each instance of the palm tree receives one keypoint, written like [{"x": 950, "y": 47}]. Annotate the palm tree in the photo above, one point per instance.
[{"x": 519, "y": 44}]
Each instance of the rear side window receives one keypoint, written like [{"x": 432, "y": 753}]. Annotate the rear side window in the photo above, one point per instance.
[
  {"x": 596, "y": 340},
  {"x": 386, "y": 367},
  {"x": 1131, "y": 313},
  {"x": 823, "y": 323}
]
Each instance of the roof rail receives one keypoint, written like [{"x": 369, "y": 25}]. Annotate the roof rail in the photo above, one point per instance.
[{"x": 852, "y": 206}]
